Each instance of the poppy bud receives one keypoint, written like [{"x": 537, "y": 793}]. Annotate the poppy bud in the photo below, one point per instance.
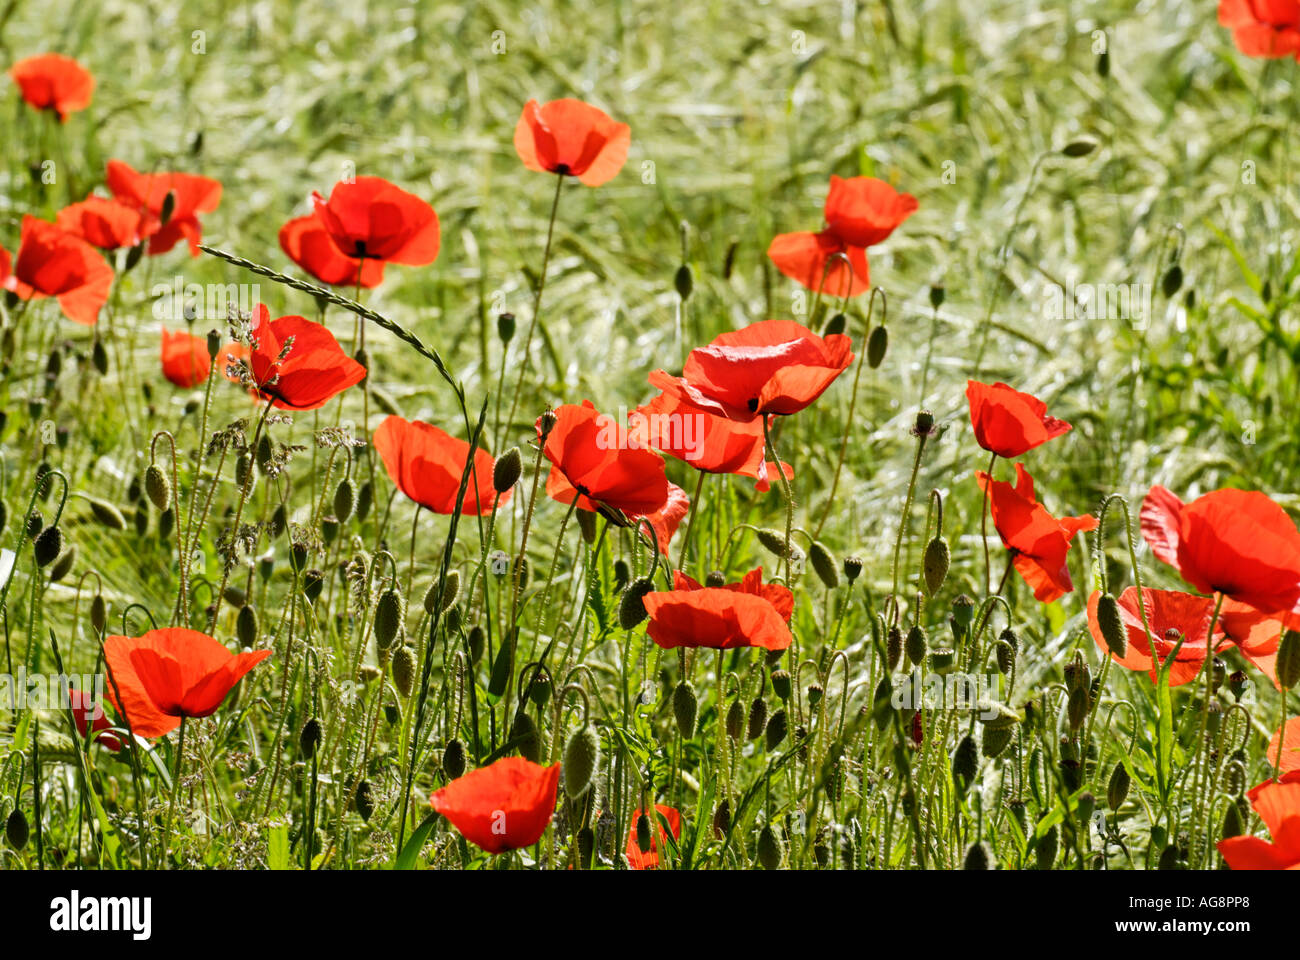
[
  {"x": 776, "y": 730},
  {"x": 815, "y": 694},
  {"x": 388, "y": 618},
  {"x": 520, "y": 569},
  {"x": 1117, "y": 788},
  {"x": 722, "y": 819},
  {"x": 877, "y": 344},
  {"x": 35, "y": 523},
  {"x": 310, "y": 737},
  {"x": 774, "y": 541},
  {"x": 977, "y": 857},
  {"x": 99, "y": 357},
  {"x": 166, "y": 523},
  {"x": 365, "y": 497},
  {"x": 1111, "y": 625},
  {"x": 506, "y": 470},
  {"x": 937, "y": 559},
  {"x": 852, "y": 568},
  {"x": 1077, "y": 710},
  {"x": 298, "y": 554},
  {"x": 824, "y": 565},
  {"x": 735, "y": 720},
  {"x": 715, "y": 578},
  {"x": 16, "y": 829},
  {"x": 1288, "y": 659},
  {"x": 587, "y": 524},
  {"x": 937, "y": 295},
  {"x": 1103, "y": 64},
  {"x": 781, "y": 684},
  {"x": 916, "y": 644},
  {"x": 313, "y": 581},
  {"x": 345, "y": 500},
  {"x": 506, "y": 326},
  {"x": 157, "y": 486},
  {"x": 63, "y": 564},
  {"x": 450, "y": 590},
  {"x": 530, "y": 744},
  {"x": 539, "y": 690},
  {"x": 453, "y": 758},
  {"x": 365, "y": 799},
  {"x": 893, "y": 648},
  {"x": 993, "y": 740},
  {"x": 546, "y": 423},
  {"x": 923, "y": 425},
  {"x": 246, "y": 625},
  {"x": 631, "y": 610},
  {"x": 1008, "y": 647},
  {"x": 48, "y": 545},
  {"x": 643, "y": 837},
  {"x": 403, "y": 667},
  {"x": 1077, "y": 673},
  {"x": 757, "y": 718},
  {"x": 1045, "y": 855},
  {"x": 1233, "y": 825},
  {"x": 1085, "y": 805},
  {"x": 685, "y": 705},
  {"x": 965, "y": 761},
  {"x": 1172, "y": 281},
  {"x": 581, "y": 756},
  {"x": 684, "y": 282},
  {"x": 476, "y": 641},
  {"x": 107, "y": 514},
  {"x": 500, "y": 675},
  {"x": 98, "y": 613},
  {"x": 835, "y": 325},
  {"x": 1079, "y": 148},
  {"x": 881, "y": 702},
  {"x": 771, "y": 848}
]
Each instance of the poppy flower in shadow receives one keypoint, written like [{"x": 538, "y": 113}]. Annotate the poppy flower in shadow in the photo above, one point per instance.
[
  {"x": 185, "y": 360},
  {"x": 426, "y": 464},
  {"x": 1171, "y": 615},
  {"x": 169, "y": 674},
  {"x": 649, "y": 860},
  {"x": 1278, "y": 805},
  {"x": 1039, "y": 542},
  {"x": 84, "y": 706},
  {"x": 52, "y": 81},
  {"x": 147, "y": 193},
  {"x": 369, "y": 218},
  {"x": 53, "y": 263},
  {"x": 573, "y": 139},
  {"x": 1008, "y": 422},
  {"x": 101, "y": 222},
  {"x": 1263, "y": 28},
  {"x": 297, "y": 364},
  {"x": 503, "y": 806},
  {"x": 746, "y": 614},
  {"x": 308, "y": 244}
]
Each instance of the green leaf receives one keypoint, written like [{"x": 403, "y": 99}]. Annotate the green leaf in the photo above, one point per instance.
[
  {"x": 277, "y": 847},
  {"x": 411, "y": 852}
]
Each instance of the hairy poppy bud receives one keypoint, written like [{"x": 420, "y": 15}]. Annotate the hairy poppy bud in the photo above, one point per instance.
[
  {"x": 757, "y": 718},
  {"x": 1288, "y": 659},
  {"x": 98, "y": 613},
  {"x": 63, "y": 565},
  {"x": 587, "y": 525},
  {"x": 631, "y": 609},
  {"x": 345, "y": 500},
  {"x": 1111, "y": 625},
  {"x": 107, "y": 514},
  {"x": 735, "y": 720},
  {"x": 581, "y": 756},
  {"x": 1045, "y": 855},
  {"x": 824, "y": 565},
  {"x": 365, "y": 800},
  {"x": 993, "y": 740},
  {"x": 453, "y": 758},
  {"x": 529, "y": 743},
  {"x": 935, "y": 564},
  {"x": 893, "y": 648},
  {"x": 776, "y": 730},
  {"x": 965, "y": 761},
  {"x": 685, "y": 705},
  {"x": 781, "y": 685},
  {"x": 643, "y": 836},
  {"x": 246, "y": 625},
  {"x": 815, "y": 694},
  {"x": 313, "y": 582},
  {"x": 506, "y": 470},
  {"x": 476, "y": 640},
  {"x": 166, "y": 523},
  {"x": 1079, "y": 148},
  {"x": 1117, "y": 788},
  {"x": 977, "y": 857},
  {"x": 1172, "y": 281},
  {"x": 937, "y": 295},
  {"x": 310, "y": 737},
  {"x": 852, "y": 568},
  {"x": 99, "y": 357},
  {"x": 684, "y": 282},
  {"x": 1085, "y": 805},
  {"x": 1233, "y": 824},
  {"x": 365, "y": 497},
  {"x": 916, "y": 644},
  {"x": 16, "y": 829},
  {"x": 388, "y": 618},
  {"x": 433, "y": 603},
  {"x": 506, "y": 326},
  {"x": 722, "y": 819},
  {"x": 877, "y": 344},
  {"x": 34, "y": 524},
  {"x": 773, "y": 541},
  {"x": 48, "y": 545},
  {"x": 1077, "y": 709},
  {"x": 500, "y": 674},
  {"x": 157, "y": 486},
  {"x": 835, "y": 325},
  {"x": 403, "y": 667},
  {"x": 771, "y": 848}
]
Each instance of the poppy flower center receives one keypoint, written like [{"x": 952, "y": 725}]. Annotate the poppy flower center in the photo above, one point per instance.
[
  {"x": 562, "y": 169},
  {"x": 752, "y": 403}
]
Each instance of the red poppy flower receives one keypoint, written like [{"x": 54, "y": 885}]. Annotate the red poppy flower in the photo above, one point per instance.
[
  {"x": 1008, "y": 422},
  {"x": 746, "y": 614},
  {"x": 1170, "y": 614},
  {"x": 806, "y": 257},
  {"x": 147, "y": 193},
  {"x": 310, "y": 245},
  {"x": 1236, "y": 542},
  {"x": 769, "y": 367},
  {"x": 650, "y": 859},
  {"x": 594, "y": 462},
  {"x": 864, "y": 211},
  {"x": 371, "y": 219},
  {"x": 1256, "y": 635},
  {"x": 303, "y": 375},
  {"x": 1278, "y": 805},
  {"x": 667, "y": 518},
  {"x": 54, "y": 82},
  {"x": 573, "y": 139},
  {"x": 84, "y": 705},
  {"x": 503, "y": 806},
  {"x": 1038, "y": 541},
  {"x": 101, "y": 222},
  {"x": 171, "y": 673},
  {"x": 185, "y": 359},
  {"x": 1263, "y": 28},
  {"x": 1290, "y": 759},
  {"x": 426, "y": 464},
  {"x": 54, "y": 263}
]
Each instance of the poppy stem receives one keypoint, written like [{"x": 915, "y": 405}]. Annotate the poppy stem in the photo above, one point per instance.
[
  {"x": 1207, "y": 668},
  {"x": 176, "y": 787},
  {"x": 907, "y": 506},
  {"x": 984, "y": 526},
  {"x": 229, "y": 562},
  {"x": 690, "y": 517}
]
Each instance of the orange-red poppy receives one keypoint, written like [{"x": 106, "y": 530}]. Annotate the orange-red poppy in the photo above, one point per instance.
[
  {"x": 53, "y": 263},
  {"x": 426, "y": 464},
  {"x": 297, "y": 364},
  {"x": 1235, "y": 542},
  {"x": 1008, "y": 422},
  {"x": 1170, "y": 614},
  {"x": 84, "y": 706},
  {"x": 169, "y": 674},
  {"x": 1255, "y": 633},
  {"x": 101, "y": 222},
  {"x": 185, "y": 360},
  {"x": 1290, "y": 752},
  {"x": 573, "y": 139},
  {"x": 1039, "y": 542},
  {"x": 1278, "y": 805},
  {"x": 658, "y": 835},
  {"x": 51, "y": 81},
  {"x": 746, "y": 614},
  {"x": 864, "y": 211},
  {"x": 147, "y": 193},
  {"x": 769, "y": 367},
  {"x": 503, "y": 806},
  {"x": 1263, "y": 28},
  {"x": 369, "y": 218},
  {"x": 309, "y": 244},
  {"x": 667, "y": 518}
]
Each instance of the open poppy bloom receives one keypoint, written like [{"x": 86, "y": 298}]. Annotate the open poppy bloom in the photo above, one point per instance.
[
  {"x": 309, "y": 244},
  {"x": 1170, "y": 614},
  {"x": 746, "y": 614},
  {"x": 101, "y": 222},
  {"x": 573, "y": 139},
  {"x": 147, "y": 194},
  {"x": 864, "y": 211},
  {"x": 594, "y": 463},
  {"x": 185, "y": 360},
  {"x": 1255, "y": 634},
  {"x": 1278, "y": 805},
  {"x": 1263, "y": 28},
  {"x": 51, "y": 81},
  {"x": 1008, "y": 422},
  {"x": 297, "y": 364},
  {"x": 426, "y": 464},
  {"x": 371, "y": 219},
  {"x": 650, "y": 859},
  {"x": 169, "y": 674},
  {"x": 769, "y": 367},
  {"x": 1235, "y": 542},
  {"x": 1038, "y": 541},
  {"x": 503, "y": 806},
  {"x": 1290, "y": 754},
  {"x": 667, "y": 518},
  {"x": 53, "y": 263},
  {"x": 84, "y": 705}
]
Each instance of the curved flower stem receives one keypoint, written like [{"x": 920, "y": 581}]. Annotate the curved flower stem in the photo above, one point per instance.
[
  {"x": 984, "y": 526},
  {"x": 907, "y": 507},
  {"x": 229, "y": 563},
  {"x": 785, "y": 488}
]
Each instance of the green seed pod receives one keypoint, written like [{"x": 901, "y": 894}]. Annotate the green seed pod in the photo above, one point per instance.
[
  {"x": 1172, "y": 281},
  {"x": 1288, "y": 659},
  {"x": 1079, "y": 148},
  {"x": 476, "y": 640},
  {"x": 965, "y": 761},
  {"x": 99, "y": 357},
  {"x": 631, "y": 609},
  {"x": 685, "y": 707},
  {"x": 757, "y": 719},
  {"x": 107, "y": 514},
  {"x": 279, "y": 521},
  {"x": 1045, "y": 855},
  {"x": 776, "y": 730},
  {"x": 587, "y": 526},
  {"x": 581, "y": 756},
  {"x": 835, "y": 325},
  {"x": 977, "y": 857},
  {"x": 735, "y": 720},
  {"x": 773, "y": 541},
  {"x": 1085, "y": 805},
  {"x": 539, "y": 690},
  {"x": 246, "y": 625},
  {"x": 500, "y": 675},
  {"x": 98, "y": 613},
  {"x": 506, "y": 327},
  {"x": 309, "y": 739},
  {"x": 643, "y": 836},
  {"x": 684, "y": 283},
  {"x": 16, "y": 829},
  {"x": 824, "y": 565},
  {"x": 313, "y": 582},
  {"x": 893, "y": 648},
  {"x": 529, "y": 743},
  {"x": 449, "y": 593},
  {"x": 48, "y": 546},
  {"x": 365, "y": 800},
  {"x": 506, "y": 470},
  {"x": 937, "y": 295},
  {"x": 937, "y": 559},
  {"x": 715, "y": 578},
  {"x": 771, "y": 848},
  {"x": 916, "y": 644},
  {"x": 345, "y": 500},
  {"x": 453, "y": 758},
  {"x": 365, "y": 498},
  {"x": 1111, "y": 625},
  {"x": 166, "y": 523},
  {"x": 403, "y": 667},
  {"x": 877, "y": 344},
  {"x": 388, "y": 618},
  {"x": 852, "y": 568},
  {"x": 781, "y": 685},
  {"x": 1117, "y": 788}
]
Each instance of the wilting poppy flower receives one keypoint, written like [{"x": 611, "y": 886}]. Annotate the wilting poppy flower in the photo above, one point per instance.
[
  {"x": 1235, "y": 542},
  {"x": 769, "y": 367},
  {"x": 426, "y": 464},
  {"x": 650, "y": 859},
  {"x": 147, "y": 193},
  {"x": 51, "y": 81},
  {"x": 1263, "y": 28},
  {"x": 746, "y": 614},
  {"x": 310, "y": 245},
  {"x": 503, "y": 806},
  {"x": 84, "y": 705},
  {"x": 53, "y": 263},
  {"x": 1038, "y": 541},
  {"x": 593, "y": 462},
  {"x": 1290, "y": 759},
  {"x": 101, "y": 222},
  {"x": 371, "y": 219},
  {"x": 1008, "y": 422},
  {"x": 1278, "y": 805},
  {"x": 171, "y": 673},
  {"x": 1170, "y": 614},
  {"x": 303, "y": 375},
  {"x": 573, "y": 139},
  {"x": 185, "y": 359}
]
